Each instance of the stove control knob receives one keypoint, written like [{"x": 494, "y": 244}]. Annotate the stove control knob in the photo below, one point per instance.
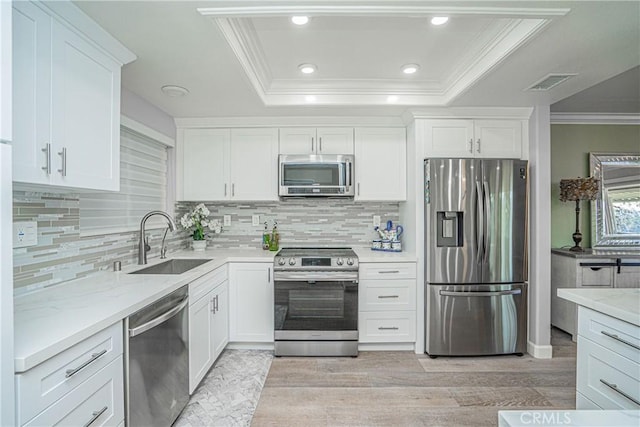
[
  {"x": 292, "y": 261},
  {"x": 349, "y": 261},
  {"x": 339, "y": 261},
  {"x": 281, "y": 261}
]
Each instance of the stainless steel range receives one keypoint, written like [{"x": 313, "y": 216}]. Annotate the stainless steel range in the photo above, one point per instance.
[{"x": 316, "y": 302}]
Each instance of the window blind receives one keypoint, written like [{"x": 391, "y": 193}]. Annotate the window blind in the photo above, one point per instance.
[{"x": 143, "y": 188}]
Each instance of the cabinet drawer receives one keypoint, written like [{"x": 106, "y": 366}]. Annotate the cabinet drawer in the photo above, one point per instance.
[
  {"x": 595, "y": 276},
  {"x": 387, "y": 326},
  {"x": 99, "y": 401},
  {"x": 583, "y": 403},
  {"x": 49, "y": 381},
  {"x": 597, "y": 367},
  {"x": 201, "y": 286},
  {"x": 388, "y": 270},
  {"x": 613, "y": 334},
  {"x": 386, "y": 295}
]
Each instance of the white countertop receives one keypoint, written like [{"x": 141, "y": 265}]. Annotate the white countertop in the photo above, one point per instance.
[
  {"x": 623, "y": 304},
  {"x": 51, "y": 320}
]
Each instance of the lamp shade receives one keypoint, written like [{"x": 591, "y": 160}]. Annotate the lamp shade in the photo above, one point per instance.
[{"x": 575, "y": 189}]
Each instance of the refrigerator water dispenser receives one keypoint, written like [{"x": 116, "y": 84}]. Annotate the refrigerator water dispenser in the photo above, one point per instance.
[{"x": 449, "y": 229}]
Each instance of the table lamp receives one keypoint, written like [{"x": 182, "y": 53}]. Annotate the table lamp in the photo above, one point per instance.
[{"x": 577, "y": 189}]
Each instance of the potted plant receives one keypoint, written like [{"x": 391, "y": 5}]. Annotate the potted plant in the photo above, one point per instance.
[{"x": 196, "y": 221}]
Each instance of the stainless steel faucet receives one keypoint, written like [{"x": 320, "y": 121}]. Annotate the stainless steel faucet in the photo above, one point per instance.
[{"x": 143, "y": 244}]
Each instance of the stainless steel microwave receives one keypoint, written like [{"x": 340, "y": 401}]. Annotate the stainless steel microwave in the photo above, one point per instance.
[{"x": 315, "y": 175}]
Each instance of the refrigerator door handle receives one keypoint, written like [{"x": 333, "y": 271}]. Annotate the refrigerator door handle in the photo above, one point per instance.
[
  {"x": 480, "y": 294},
  {"x": 487, "y": 217},
  {"x": 479, "y": 221}
]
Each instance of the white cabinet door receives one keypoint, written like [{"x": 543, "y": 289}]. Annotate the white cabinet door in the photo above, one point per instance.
[
  {"x": 251, "y": 302},
  {"x": 31, "y": 92},
  {"x": 221, "y": 319},
  {"x": 498, "y": 138},
  {"x": 85, "y": 113},
  {"x": 297, "y": 140},
  {"x": 201, "y": 335},
  {"x": 380, "y": 164},
  {"x": 204, "y": 155},
  {"x": 330, "y": 140},
  {"x": 254, "y": 164},
  {"x": 629, "y": 277},
  {"x": 448, "y": 138},
  {"x": 6, "y": 49},
  {"x": 334, "y": 140}
]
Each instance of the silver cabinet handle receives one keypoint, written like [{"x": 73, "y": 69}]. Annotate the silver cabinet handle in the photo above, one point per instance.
[
  {"x": 478, "y": 145},
  {"x": 213, "y": 305},
  {"x": 320, "y": 139},
  {"x": 269, "y": 275},
  {"x": 388, "y": 328},
  {"x": 617, "y": 338},
  {"x": 615, "y": 388},
  {"x": 358, "y": 189},
  {"x": 63, "y": 154},
  {"x": 165, "y": 316},
  {"x": 389, "y": 272},
  {"x": 94, "y": 357},
  {"x": 217, "y": 307},
  {"x": 47, "y": 151},
  {"x": 471, "y": 145},
  {"x": 95, "y": 416},
  {"x": 312, "y": 145},
  {"x": 233, "y": 189},
  {"x": 225, "y": 189},
  {"x": 388, "y": 296}
]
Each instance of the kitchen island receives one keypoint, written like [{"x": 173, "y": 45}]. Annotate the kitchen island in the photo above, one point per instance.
[{"x": 608, "y": 361}]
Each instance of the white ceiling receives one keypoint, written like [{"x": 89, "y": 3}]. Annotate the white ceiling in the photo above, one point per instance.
[{"x": 240, "y": 58}]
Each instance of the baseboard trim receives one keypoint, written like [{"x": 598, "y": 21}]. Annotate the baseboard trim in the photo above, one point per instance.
[
  {"x": 386, "y": 346},
  {"x": 250, "y": 346},
  {"x": 539, "y": 351}
]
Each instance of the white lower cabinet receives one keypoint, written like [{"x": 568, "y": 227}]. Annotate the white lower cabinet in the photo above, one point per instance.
[
  {"x": 208, "y": 323},
  {"x": 386, "y": 300},
  {"x": 77, "y": 385},
  {"x": 608, "y": 362},
  {"x": 251, "y": 302}
]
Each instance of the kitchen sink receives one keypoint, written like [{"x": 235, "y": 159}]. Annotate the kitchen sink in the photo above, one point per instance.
[{"x": 173, "y": 266}]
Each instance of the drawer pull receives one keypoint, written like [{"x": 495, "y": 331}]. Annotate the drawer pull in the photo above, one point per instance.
[
  {"x": 389, "y": 272},
  {"x": 617, "y": 390},
  {"x": 94, "y": 357},
  {"x": 95, "y": 416},
  {"x": 617, "y": 338},
  {"x": 388, "y": 296},
  {"x": 388, "y": 328}
]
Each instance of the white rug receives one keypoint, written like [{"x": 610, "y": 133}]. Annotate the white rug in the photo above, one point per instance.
[{"x": 229, "y": 394}]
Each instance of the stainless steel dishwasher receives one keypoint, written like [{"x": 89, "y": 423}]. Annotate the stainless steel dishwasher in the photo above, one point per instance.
[{"x": 157, "y": 362}]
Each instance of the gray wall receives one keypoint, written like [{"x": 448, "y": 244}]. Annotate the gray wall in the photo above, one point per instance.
[{"x": 138, "y": 109}]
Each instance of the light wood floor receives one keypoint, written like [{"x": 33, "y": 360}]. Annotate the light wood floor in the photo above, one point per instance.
[{"x": 405, "y": 389}]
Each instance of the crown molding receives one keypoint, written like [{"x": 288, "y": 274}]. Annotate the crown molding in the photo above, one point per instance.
[
  {"x": 510, "y": 113},
  {"x": 231, "y": 17},
  {"x": 288, "y": 121},
  {"x": 596, "y": 118}
]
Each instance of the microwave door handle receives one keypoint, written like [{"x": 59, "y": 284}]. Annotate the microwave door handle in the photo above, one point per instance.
[{"x": 348, "y": 177}]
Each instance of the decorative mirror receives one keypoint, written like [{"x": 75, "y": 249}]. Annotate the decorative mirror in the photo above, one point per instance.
[{"x": 615, "y": 214}]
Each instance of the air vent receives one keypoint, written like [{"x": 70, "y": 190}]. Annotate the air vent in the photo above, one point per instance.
[{"x": 550, "y": 81}]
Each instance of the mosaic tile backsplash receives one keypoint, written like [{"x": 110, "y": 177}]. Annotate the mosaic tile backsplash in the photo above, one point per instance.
[{"x": 62, "y": 254}]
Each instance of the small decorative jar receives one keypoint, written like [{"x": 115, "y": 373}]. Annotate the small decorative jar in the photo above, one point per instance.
[{"x": 199, "y": 245}]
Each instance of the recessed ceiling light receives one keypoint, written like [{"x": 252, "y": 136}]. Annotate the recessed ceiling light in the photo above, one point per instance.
[
  {"x": 410, "y": 68},
  {"x": 307, "y": 68},
  {"x": 174, "y": 91},
  {"x": 392, "y": 98},
  {"x": 300, "y": 20},
  {"x": 439, "y": 20},
  {"x": 310, "y": 98}
]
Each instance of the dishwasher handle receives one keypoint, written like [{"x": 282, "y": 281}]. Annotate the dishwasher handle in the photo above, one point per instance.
[{"x": 163, "y": 317}]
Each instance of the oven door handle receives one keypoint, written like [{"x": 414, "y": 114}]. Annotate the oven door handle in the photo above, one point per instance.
[{"x": 299, "y": 276}]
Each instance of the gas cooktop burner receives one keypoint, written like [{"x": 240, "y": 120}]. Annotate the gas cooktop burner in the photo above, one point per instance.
[{"x": 316, "y": 259}]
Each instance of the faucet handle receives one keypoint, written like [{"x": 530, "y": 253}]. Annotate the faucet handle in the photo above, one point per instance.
[{"x": 147, "y": 248}]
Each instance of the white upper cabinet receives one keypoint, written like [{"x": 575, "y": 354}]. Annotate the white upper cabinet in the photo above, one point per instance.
[
  {"x": 473, "y": 138},
  {"x": 5, "y": 72},
  {"x": 380, "y": 164},
  {"x": 228, "y": 164},
  {"x": 330, "y": 140},
  {"x": 66, "y": 102}
]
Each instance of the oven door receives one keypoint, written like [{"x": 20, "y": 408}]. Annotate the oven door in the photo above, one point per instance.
[{"x": 314, "y": 308}]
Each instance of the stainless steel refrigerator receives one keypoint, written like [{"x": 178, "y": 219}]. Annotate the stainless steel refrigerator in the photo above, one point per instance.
[{"x": 475, "y": 256}]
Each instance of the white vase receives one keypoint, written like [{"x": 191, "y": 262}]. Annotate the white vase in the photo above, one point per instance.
[{"x": 199, "y": 245}]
